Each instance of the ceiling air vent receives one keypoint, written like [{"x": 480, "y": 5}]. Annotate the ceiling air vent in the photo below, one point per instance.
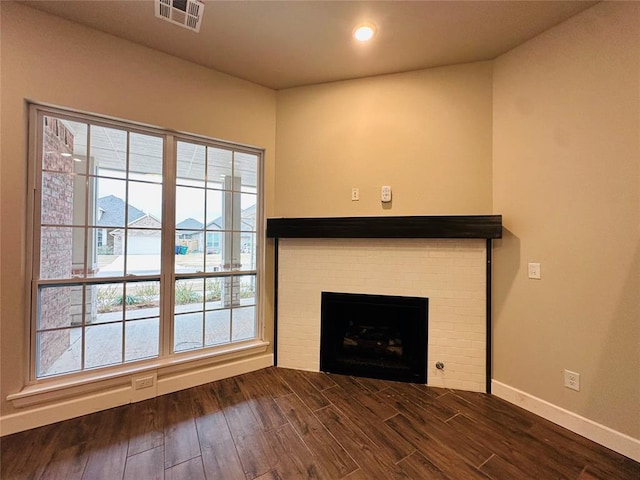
[{"x": 186, "y": 13}]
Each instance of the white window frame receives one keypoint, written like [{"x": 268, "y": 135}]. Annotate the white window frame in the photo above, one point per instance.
[{"x": 170, "y": 361}]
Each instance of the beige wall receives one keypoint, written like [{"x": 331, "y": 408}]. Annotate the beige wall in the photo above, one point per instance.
[
  {"x": 427, "y": 134},
  {"x": 53, "y": 61},
  {"x": 566, "y": 173}
]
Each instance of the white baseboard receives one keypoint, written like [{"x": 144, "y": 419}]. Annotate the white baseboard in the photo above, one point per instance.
[
  {"x": 616, "y": 441},
  {"x": 68, "y": 408}
]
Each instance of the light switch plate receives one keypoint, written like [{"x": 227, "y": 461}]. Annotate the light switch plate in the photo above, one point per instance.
[
  {"x": 385, "y": 195},
  {"x": 534, "y": 271}
]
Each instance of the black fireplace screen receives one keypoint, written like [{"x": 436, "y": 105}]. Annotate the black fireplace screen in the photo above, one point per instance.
[{"x": 377, "y": 336}]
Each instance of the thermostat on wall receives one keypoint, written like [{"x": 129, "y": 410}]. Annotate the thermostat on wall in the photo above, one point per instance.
[{"x": 386, "y": 194}]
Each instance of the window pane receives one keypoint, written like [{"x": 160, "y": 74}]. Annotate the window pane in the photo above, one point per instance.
[
  {"x": 63, "y": 199},
  {"x": 247, "y": 286},
  {"x": 110, "y": 257},
  {"x": 248, "y": 215},
  {"x": 246, "y": 167},
  {"x": 213, "y": 293},
  {"x": 190, "y": 164},
  {"x": 189, "y": 295},
  {"x": 189, "y": 251},
  {"x": 214, "y": 209},
  {"x": 145, "y": 204},
  {"x": 61, "y": 252},
  {"x": 55, "y": 307},
  {"x": 145, "y": 157},
  {"x": 143, "y": 300},
  {"x": 103, "y": 345},
  {"x": 248, "y": 251},
  {"x": 62, "y": 142},
  {"x": 110, "y": 204},
  {"x": 217, "y": 327},
  {"x": 143, "y": 251},
  {"x": 189, "y": 204},
  {"x": 110, "y": 298},
  {"x": 214, "y": 249},
  {"x": 56, "y": 353},
  {"x": 108, "y": 148},
  {"x": 105, "y": 255},
  {"x": 244, "y": 323},
  {"x": 219, "y": 166},
  {"x": 142, "y": 339},
  {"x": 188, "y": 332}
]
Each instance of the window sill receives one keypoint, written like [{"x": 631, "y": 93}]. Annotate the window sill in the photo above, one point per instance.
[{"x": 88, "y": 382}]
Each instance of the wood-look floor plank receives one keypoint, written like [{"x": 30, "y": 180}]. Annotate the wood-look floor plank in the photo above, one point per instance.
[
  {"x": 417, "y": 466},
  {"x": 419, "y": 398},
  {"x": 108, "y": 445},
  {"x": 522, "y": 455},
  {"x": 444, "y": 457},
  {"x": 365, "y": 397},
  {"x": 585, "y": 475},
  {"x": 148, "y": 465},
  {"x": 272, "y": 382},
  {"x": 377, "y": 430},
  {"x": 70, "y": 454},
  {"x": 359, "y": 474},
  {"x": 320, "y": 442},
  {"x": 262, "y": 403},
  {"x": 433, "y": 392},
  {"x": 370, "y": 457},
  {"x": 146, "y": 427},
  {"x": 25, "y": 455},
  {"x": 297, "y": 381},
  {"x": 373, "y": 384},
  {"x": 180, "y": 435},
  {"x": 270, "y": 475},
  {"x": 295, "y": 459},
  {"x": 498, "y": 468},
  {"x": 67, "y": 463},
  {"x": 189, "y": 470},
  {"x": 219, "y": 455},
  {"x": 497, "y": 419},
  {"x": 475, "y": 453},
  {"x": 321, "y": 381},
  {"x": 601, "y": 462},
  {"x": 255, "y": 453}
]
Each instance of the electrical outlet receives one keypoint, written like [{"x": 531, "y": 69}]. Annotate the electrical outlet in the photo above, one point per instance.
[
  {"x": 572, "y": 380},
  {"x": 143, "y": 382},
  {"x": 355, "y": 194}
]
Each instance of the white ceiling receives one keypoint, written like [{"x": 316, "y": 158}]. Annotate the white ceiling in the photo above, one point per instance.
[{"x": 281, "y": 44}]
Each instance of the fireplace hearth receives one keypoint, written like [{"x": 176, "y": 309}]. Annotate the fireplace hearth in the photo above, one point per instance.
[{"x": 376, "y": 336}]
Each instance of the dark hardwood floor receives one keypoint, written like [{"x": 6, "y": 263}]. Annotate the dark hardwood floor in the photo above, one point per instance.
[{"x": 285, "y": 424}]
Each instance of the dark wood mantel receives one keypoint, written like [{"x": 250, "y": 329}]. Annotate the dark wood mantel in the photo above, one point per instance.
[{"x": 435, "y": 226}]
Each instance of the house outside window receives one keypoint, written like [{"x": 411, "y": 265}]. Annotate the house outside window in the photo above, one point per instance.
[{"x": 145, "y": 244}]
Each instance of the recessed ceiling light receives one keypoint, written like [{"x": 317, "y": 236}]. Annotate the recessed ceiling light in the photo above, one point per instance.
[{"x": 364, "y": 33}]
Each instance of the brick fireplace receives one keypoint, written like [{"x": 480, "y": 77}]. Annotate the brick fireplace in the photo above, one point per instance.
[{"x": 453, "y": 273}]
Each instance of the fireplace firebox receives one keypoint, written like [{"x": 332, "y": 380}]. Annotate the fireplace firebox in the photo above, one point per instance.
[{"x": 376, "y": 336}]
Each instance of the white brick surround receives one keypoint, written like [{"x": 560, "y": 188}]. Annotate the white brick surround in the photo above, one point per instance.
[{"x": 450, "y": 272}]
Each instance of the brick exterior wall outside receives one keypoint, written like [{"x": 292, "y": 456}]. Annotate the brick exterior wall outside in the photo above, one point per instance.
[
  {"x": 451, "y": 273},
  {"x": 55, "y": 249}
]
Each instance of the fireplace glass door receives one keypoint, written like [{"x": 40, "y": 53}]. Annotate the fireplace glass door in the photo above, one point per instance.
[{"x": 376, "y": 336}]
